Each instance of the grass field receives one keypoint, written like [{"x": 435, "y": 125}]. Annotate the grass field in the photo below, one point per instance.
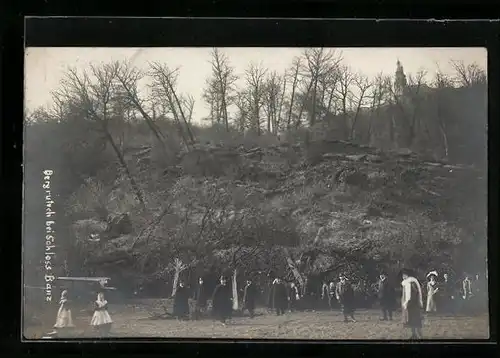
[{"x": 136, "y": 321}]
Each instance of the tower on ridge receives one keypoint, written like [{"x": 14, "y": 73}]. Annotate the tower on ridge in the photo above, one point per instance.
[{"x": 400, "y": 79}]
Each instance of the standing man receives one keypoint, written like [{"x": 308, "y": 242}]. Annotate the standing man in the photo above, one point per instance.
[
  {"x": 386, "y": 296},
  {"x": 345, "y": 295},
  {"x": 201, "y": 297},
  {"x": 412, "y": 303},
  {"x": 249, "y": 297},
  {"x": 448, "y": 297},
  {"x": 222, "y": 306},
  {"x": 181, "y": 302},
  {"x": 280, "y": 297}
]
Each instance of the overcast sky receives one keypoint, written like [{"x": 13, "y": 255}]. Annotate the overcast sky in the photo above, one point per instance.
[{"x": 44, "y": 67}]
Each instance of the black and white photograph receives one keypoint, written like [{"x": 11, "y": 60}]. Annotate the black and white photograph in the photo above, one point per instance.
[{"x": 289, "y": 193}]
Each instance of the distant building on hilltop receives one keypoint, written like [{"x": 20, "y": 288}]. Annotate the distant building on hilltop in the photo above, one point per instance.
[{"x": 400, "y": 84}]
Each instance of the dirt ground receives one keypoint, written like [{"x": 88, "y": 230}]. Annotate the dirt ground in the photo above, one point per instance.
[{"x": 136, "y": 320}]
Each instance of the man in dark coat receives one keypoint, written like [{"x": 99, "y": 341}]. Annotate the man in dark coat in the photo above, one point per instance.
[
  {"x": 201, "y": 297},
  {"x": 249, "y": 297},
  {"x": 280, "y": 297},
  {"x": 449, "y": 295},
  {"x": 222, "y": 306},
  {"x": 345, "y": 296},
  {"x": 387, "y": 297},
  {"x": 181, "y": 302}
]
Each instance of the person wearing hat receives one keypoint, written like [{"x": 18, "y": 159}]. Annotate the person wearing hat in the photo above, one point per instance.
[
  {"x": 411, "y": 303},
  {"x": 432, "y": 290},
  {"x": 345, "y": 296},
  {"x": 222, "y": 307},
  {"x": 387, "y": 297}
]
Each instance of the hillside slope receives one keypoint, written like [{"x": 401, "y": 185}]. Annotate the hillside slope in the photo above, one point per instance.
[{"x": 333, "y": 198}]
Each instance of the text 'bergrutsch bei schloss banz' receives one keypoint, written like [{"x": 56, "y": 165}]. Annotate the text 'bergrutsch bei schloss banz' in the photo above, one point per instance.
[{"x": 49, "y": 234}]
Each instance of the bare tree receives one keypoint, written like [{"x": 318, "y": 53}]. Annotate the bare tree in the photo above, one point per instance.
[
  {"x": 128, "y": 78},
  {"x": 415, "y": 84},
  {"x": 362, "y": 85},
  {"x": 294, "y": 73},
  {"x": 243, "y": 104},
  {"x": 380, "y": 90},
  {"x": 272, "y": 101},
  {"x": 255, "y": 82},
  {"x": 222, "y": 82},
  {"x": 409, "y": 105},
  {"x": 188, "y": 102},
  {"x": 318, "y": 64},
  {"x": 468, "y": 75},
  {"x": 328, "y": 84},
  {"x": 163, "y": 85},
  {"x": 94, "y": 96},
  {"x": 441, "y": 82},
  {"x": 59, "y": 107},
  {"x": 211, "y": 97},
  {"x": 345, "y": 79}
]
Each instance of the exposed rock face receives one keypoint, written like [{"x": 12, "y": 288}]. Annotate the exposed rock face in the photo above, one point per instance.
[
  {"x": 337, "y": 172},
  {"x": 335, "y": 192}
]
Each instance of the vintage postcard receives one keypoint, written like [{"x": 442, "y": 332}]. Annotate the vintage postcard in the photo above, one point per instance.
[{"x": 255, "y": 193}]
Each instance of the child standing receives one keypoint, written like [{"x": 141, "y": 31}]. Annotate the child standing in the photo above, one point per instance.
[
  {"x": 101, "y": 320},
  {"x": 64, "y": 319}
]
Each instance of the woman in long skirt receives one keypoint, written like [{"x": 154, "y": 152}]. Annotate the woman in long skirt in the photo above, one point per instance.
[
  {"x": 432, "y": 290},
  {"x": 411, "y": 302},
  {"x": 101, "y": 320},
  {"x": 64, "y": 318}
]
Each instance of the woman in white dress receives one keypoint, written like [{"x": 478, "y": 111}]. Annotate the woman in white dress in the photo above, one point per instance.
[
  {"x": 432, "y": 289},
  {"x": 64, "y": 319},
  {"x": 101, "y": 320}
]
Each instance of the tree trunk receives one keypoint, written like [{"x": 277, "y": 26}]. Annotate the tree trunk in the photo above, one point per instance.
[
  {"x": 280, "y": 110},
  {"x": 121, "y": 159},
  {"x": 294, "y": 269},
  {"x": 445, "y": 140},
  {"x": 235, "y": 291},
  {"x": 149, "y": 121},
  {"x": 224, "y": 108},
  {"x": 269, "y": 118},
  {"x": 330, "y": 99},
  {"x": 297, "y": 125},
  {"x": 178, "y": 270},
  {"x": 191, "y": 137},
  {"x": 289, "y": 121},
  {"x": 313, "y": 109},
  {"x": 353, "y": 127}
]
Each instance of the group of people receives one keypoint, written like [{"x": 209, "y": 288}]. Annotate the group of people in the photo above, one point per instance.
[
  {"x": 441, "y": 295},
  {"x": 450, "y": 296},
  {"x": 101, "y": 320}
]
